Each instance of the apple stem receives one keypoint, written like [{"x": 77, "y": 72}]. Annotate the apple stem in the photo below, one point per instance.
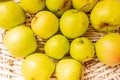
[
  {"x": 81, "y": 41},
  {"x": 88, "y": 3}
]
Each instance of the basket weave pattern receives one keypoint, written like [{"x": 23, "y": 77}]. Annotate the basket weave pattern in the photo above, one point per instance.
[{"x": 10, "y": 67}]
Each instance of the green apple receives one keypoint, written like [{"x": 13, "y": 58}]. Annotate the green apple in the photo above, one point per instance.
[
  {"x": 58, "y": 6},
  {"x": 11, "y": 15},
  {"x": 82, "y": 49},
  {"x": 57, "y": 46},
  {"x": 45, "y": 24},
  {"x": 20, "y": 41},
  {"x": 108, "y": 49},
  {"x": 73, "y": 23},
  {"x": 37, "y": 66},
  {"x": 105, "y": 15},
  {"x": 69, "y": 69},
  {"x": 84, "y": 5},
  {"x": 32, "y": 6}
]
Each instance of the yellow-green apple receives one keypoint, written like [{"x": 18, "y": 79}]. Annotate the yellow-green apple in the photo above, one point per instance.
[
  {"x": 58, "y": 6},
  {"x": 82, "y": 49},
  {"x": 11, "y": 15},
  {"x": 45, "y": 24},
  {"x": 73, "y": 23},
  {"x": 105, "y": 15},
  {"x": 84, "y": 5},
  {"x": 108, "y": 49},
  {"x": 69, "y": 69},
  {"x": 20, "y": 41},
  {"x": 32, "y": 6},
  {"x": 37, "y": 66},
  {"x": 57, "y": 46}
]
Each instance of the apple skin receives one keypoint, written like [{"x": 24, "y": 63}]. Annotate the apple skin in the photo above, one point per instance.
[
  {"x": 105, "y": 16},
  {"x": 73, "y": 23},
  {"x": 37, "y": 66},
  {"x": 4, "y": 0},
  {"x": 20, "y": 41},
  {"x": 84, "y": 5},
  {"x": 32, "y": 6},
  {"x": 108, "y": 49},
  {"x": 12, "y": 15},
  {"x": 58, "y": 6},
  {"x": 69, "y": 69},
  {"x": 82, "y": 49},
  {"x": 57, "y": 46},
  {"x": 45, "y": 24}
]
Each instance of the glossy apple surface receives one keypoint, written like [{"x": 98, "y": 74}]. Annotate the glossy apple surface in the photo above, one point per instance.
[
  {"x": 32, "y": 6},
  {"x": 73, "y": 23},
  {"x": 37, "y": 66},
  {"x": 45, "y": 24},
  {"x": 105, "y": 15},
  {"x": 84, "y": 5},
  {"x": 108, "y": 49},
  {"x": 57, "y": 46},
  {"x": 82, "y": 49},
  {"x": 12, "y": 15},
  {"x": 58, "y": 6},
  {"x": 69, "y": 69},
  {"x": 20, "y": 41}
]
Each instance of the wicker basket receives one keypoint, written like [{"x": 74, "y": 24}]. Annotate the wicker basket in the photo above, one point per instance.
[{"x": 10, "y": 67}]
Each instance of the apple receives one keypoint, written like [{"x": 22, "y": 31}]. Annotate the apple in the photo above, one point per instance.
[
  {"x": 37, "y": 66},
  {"x": 105, "y": 16},
  {"x": 108, "y": 49},
  {"x": 20, "y": 41},
  {"x": 69, "y": 69},
  {"x": 73, "y": 23},
  {"x": 82, "y": 49},
  {"x": 58, "y": 6},
  {"x": 84, "y": 5},
  {"x": 57, "y": 46},
  {"x": 45, "y": 24},
  {"x": 12, "y": 15},
  {"x": 32, "y": 6},
  {"x": 4, "y": 0}
]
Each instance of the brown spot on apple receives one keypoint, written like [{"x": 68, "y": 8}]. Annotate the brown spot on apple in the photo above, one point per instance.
[{"x": 66, "y": 5}]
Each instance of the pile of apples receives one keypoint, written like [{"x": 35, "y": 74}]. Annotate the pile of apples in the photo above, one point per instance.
[{"x": 70, "y": 18}]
